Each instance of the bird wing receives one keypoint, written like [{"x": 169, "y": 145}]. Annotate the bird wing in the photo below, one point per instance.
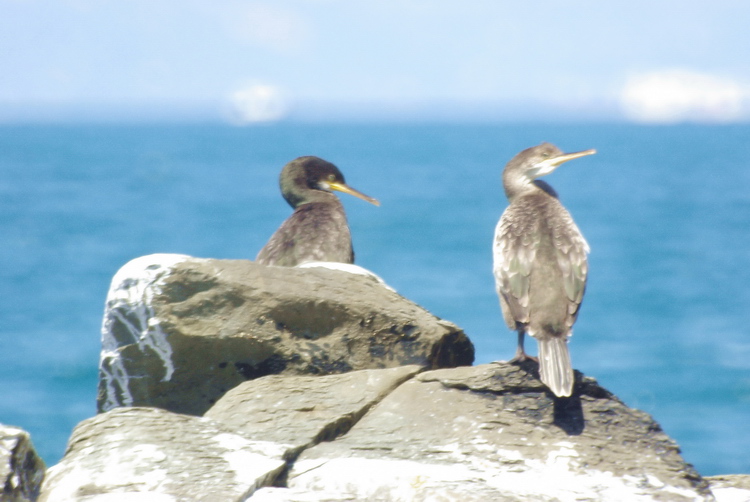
[
  {"x": 280, "y": 247},
  {"x": 516, "y": 242},
  {"x": 571, "y": 249}
]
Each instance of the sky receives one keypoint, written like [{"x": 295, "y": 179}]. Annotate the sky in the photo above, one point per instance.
[{"x": 659, "y": 61}]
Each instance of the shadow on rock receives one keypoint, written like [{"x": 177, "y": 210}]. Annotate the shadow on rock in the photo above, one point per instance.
[{"x": 568, "y": 414}]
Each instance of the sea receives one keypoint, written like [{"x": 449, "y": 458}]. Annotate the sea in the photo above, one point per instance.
[{"x": 665, "y": 323}]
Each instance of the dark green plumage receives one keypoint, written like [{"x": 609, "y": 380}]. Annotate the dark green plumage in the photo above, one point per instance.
[{"x": 317, "y": 230}]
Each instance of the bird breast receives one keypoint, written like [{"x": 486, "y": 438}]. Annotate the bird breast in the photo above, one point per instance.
[{"x": 540, "y": 263}]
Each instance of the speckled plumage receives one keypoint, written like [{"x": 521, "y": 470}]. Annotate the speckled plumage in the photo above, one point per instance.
[
  {"x": 317, "y": 230},
  {"x": 540, "y": 263}
]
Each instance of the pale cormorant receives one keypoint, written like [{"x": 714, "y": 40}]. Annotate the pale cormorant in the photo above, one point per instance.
[{"x": 540, "y": 263}]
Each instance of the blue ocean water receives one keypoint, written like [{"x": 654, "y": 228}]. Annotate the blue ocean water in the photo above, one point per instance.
[{"x": 666, "y": 319}]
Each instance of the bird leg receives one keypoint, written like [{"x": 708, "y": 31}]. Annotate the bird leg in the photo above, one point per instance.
[{"x": 521, "y": 354}]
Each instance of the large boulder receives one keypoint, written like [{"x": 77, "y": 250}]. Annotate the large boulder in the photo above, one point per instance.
[
  {"x": 21, "y": 468},
  {"x": 494, "y": 432},
  {"x": 179, "y": 332}
]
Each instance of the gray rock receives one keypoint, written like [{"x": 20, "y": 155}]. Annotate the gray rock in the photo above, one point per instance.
[
  {"x": 179, "y": 332},
  {"x": 305, "y": 410},
  {"x": 730, "y": 487},
  {"x": 484, "y": 433},
  {"x": 21, "y": 469},
  {"x": 314, "y": 388},
  {"x": 493, "y": 432},
  {"x": 155, "y": 455}
]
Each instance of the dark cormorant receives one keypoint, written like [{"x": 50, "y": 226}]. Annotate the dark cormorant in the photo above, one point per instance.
[
  {"x": 540, "y": 263},
  {"x": 317, "y": 230}
]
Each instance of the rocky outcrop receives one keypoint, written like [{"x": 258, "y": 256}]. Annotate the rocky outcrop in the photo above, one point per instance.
[
  {"x": 21, "y": 469},
  {"x": 246, "y": 441},
  {"x": 484, "y": 433},
  {"x": 324, "y": 385},
  {"x": 179, "y": 332},
  {"x": 494, "y": 432}
]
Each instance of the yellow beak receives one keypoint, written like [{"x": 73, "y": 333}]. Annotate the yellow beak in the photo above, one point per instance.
[
  {"x": 548, "y": 165},
  {"x": 342, "y": 187}
]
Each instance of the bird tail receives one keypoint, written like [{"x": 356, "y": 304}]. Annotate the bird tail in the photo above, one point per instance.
[{"x": 555, "y": 369}]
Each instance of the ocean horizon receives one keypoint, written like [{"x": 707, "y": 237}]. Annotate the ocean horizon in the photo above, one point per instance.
[{"x": 665, "y": 209}]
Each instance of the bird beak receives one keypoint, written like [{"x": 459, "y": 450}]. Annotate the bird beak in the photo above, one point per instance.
[
  {"x": 341, "y": 187},
  {"x": 548, "y": 165}
]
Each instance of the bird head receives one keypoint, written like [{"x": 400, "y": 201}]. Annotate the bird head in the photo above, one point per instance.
[
  {"x": 521, "y": 172},
  {"x": 304, "y": 176},
  {"x": 546, "y": 157}
]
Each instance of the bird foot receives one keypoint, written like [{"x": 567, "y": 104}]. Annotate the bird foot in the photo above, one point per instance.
[{"x": 523, "y": 356}]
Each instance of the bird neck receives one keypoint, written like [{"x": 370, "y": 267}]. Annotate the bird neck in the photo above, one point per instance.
[
  {"x": 299, "y": 198},
  {"x": 545, "y": 187},
  {"x": 521, "y": 185}
]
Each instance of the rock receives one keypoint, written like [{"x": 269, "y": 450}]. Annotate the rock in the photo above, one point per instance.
[
  {"x": 730, "y": 487},
  {"x": 179, "y": 332},
  {"x": 168, "y": 456},
  {"x": 243, "y": 442},
  {"x": 491, "y": 432},
  {"x": 21, "y": 469},
  {"x": 305, "y": 410},
  {"x": 322, "y": 385},
  {"x": 494, "y": 432}
]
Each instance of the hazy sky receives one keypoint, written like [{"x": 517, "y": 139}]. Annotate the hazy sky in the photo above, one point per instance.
[{"x": 653, "y": 60}]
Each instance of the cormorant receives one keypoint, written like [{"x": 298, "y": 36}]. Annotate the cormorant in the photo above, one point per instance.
[
  {"x": 317, "y": 230},
  {"x": 540, "y": 263}
]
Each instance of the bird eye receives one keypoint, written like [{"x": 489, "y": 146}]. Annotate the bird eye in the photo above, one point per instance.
[{"x": 331, "y": 177}]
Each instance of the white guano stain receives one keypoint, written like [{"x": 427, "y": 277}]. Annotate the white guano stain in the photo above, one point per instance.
[
  {"x": 555, "y": 477},
  {"x": 730, "y": 494},
  {"x": 139, "y": 465},
  {"x": 345, "y": 267},
  {"x": 129, "y": 307},
  {"x": 252, "y": 462}
]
